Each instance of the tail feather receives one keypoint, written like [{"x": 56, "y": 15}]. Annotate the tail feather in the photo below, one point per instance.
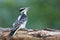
[{"x": 12, "y": 32}]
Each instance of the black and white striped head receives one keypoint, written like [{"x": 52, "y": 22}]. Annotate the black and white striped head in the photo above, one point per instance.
[{"x": 23, "y": 10}]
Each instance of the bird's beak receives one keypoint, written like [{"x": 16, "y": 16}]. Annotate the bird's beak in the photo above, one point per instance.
[{"x": 27, "y": 8}]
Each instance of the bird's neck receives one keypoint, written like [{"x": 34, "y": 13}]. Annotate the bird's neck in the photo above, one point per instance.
[{"x": 24, "y": 13}]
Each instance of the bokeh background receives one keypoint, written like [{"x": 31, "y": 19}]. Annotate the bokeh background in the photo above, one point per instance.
[{"x": 42, "y": 13}]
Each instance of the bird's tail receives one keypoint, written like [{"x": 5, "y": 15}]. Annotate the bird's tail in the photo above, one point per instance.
[{"x": 13, "y": 31}]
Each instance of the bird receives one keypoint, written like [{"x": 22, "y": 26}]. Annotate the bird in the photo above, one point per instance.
[{"x": 21, "y": 22}]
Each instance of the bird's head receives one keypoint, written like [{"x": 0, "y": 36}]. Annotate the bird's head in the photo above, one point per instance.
[{"x": 23, "y": 10}]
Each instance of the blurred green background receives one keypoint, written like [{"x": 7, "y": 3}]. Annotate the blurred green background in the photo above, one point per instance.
[{"x": 42, "y": 13}]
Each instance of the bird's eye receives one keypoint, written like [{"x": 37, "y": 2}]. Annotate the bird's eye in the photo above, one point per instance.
[{"x": 21, "y": 9}]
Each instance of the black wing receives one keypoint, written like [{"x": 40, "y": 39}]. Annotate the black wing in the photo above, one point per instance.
[{"x": 18, "y": 23}]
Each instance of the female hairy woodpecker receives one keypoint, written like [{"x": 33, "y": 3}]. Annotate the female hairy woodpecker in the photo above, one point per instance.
[{"x": 20, "y": 23}]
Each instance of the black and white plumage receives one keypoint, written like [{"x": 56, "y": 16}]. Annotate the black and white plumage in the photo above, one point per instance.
[{"x": 20, "y": 23}]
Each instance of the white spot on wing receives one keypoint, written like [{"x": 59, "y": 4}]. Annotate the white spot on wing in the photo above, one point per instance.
[
  {"x": 23, "y": 25},
  {"x": 19, "y": 17}
]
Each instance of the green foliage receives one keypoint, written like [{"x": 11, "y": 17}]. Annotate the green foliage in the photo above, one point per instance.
[{"x": 42, "y": 13}]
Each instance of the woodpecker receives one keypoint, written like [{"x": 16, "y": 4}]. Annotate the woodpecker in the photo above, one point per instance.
[{"x": 20, "y": 23}]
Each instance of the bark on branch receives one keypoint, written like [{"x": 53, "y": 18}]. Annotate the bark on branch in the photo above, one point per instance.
[{"x": 29, "y": 34}]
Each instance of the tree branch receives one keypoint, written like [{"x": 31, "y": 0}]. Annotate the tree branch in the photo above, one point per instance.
[{"x": 31, "y": 35}]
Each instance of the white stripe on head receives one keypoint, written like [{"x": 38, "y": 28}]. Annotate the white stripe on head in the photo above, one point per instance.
[{"x": 24, "y": 10}]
